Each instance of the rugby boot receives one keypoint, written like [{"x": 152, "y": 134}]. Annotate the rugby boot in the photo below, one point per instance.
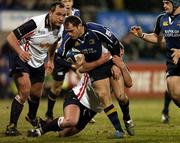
[
  {"x": 119, "y": 134},
  {"x": 11, "y": 130},
  {"x": 165, "y": 118},
  {"x": 129, "y": 127}
]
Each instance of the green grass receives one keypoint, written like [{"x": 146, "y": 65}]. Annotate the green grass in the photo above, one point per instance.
[{"x": 146, "y": 114}]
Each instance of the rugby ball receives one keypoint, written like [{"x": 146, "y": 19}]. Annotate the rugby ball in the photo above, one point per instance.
[{"x": 73, "y": 55}]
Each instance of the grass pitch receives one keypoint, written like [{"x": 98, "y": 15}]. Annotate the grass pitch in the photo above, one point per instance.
[{"x": 146, "y": 114}]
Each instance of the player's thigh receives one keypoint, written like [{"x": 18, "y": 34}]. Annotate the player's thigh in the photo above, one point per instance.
[
  {"x": 56, "y": 86},
  {"x": 173, "y": 83},
  {"x": 71, "y": 114},
  {"x": 102, "y": 88},
  {"x": 23, "y": 82}
]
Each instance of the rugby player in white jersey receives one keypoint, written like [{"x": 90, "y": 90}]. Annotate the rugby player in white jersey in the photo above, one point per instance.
[
  {"x": 30, "y": 44},
  {"x": 61, "y": 67},
  {"x": 80, "y": 105}
]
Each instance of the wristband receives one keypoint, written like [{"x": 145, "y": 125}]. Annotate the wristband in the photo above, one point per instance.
[{"x": 142, "y": 36}]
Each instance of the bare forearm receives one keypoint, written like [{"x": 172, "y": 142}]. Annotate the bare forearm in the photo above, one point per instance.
[
  {"x": 52, "y": 50},
  {"x": 14, "y": 44},
  {"x": 151, "y": 37},
  {"x": 86, "y": 67},
  {"x": 126, "y": 76}
]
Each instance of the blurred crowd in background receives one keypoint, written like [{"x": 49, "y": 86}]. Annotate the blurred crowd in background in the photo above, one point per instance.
[{"x": 135, "y": 49}]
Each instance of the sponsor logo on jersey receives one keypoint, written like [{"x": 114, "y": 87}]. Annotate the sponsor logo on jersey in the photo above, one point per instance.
[
  {"x": 92, "y": 42},
  {"x": 108, "y": 33},
  {"x": 165, "y": 23}
]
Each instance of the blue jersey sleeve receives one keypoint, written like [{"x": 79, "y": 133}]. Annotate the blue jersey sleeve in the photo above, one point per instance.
[
  {"x": 107, "y": 37},
  {"x": 66, "y": 45},
  {"x": 76, "y": 12},
  {"x": 157, "y": 29},
  {"x": 62, "y": 50}
]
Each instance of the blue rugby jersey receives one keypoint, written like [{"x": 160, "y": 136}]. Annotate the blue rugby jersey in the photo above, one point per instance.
[
  {"x": 90, "y": 44},
  {"x": 76, "y": 12},
  {"x": 169, "y": 27}
]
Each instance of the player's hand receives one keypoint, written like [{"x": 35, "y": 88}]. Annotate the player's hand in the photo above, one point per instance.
[
  {"x": 24, "y": 56},
  {"x": 137, "y": 31},
  {"x": 115, "y": 72},
  {"x": 175, "y": 55},
  {"x": 79, "y": 61},
  {"x": 118, "y": 61},
  {"x": 49, "y": 67}
]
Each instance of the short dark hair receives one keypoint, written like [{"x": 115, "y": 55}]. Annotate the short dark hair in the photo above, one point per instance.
[
  {"x": 55, "y": 4},
  {"x": 74, "y": 20}
]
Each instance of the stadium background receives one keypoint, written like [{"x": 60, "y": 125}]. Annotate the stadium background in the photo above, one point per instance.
[{"x": 145, "y": 60}]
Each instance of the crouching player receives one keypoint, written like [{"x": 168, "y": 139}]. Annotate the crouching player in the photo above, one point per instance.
[{"x": 81, "y": 104}]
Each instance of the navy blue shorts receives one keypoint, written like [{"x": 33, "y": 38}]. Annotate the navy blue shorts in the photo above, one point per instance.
[
  {"x": 101, "y": 72},
  {"x": 17, "y": 66},
  {"x": 85, "y": 113},
  {"x": 59, "y": 69},
  {"x": 173, "y": 70}
]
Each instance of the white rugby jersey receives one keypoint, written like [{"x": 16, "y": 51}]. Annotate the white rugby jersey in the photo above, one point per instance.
[
  {"x": 38, "y": 40},
  {"x": 86, "y": 95}
]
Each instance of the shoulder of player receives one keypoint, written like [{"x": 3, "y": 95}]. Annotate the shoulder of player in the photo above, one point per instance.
[
  {"x": 76, "y": 10},
  {"x": 67, "y": 39},
  {"x": 95, "y": 27},
  {"x": 38, "y": 19},
  {"x": 161, "y": 15}
]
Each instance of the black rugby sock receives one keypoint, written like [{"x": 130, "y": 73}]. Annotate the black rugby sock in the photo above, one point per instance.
[
  {"x": 113, "y": 117},
  {"x": 125, "y": 110},
  {"x": 51, "y": 102},
  {"x": 167, "y": 100},
  {"x": 33, "y": 107},
  {"x": 16, "y": 109},
  {"x": 52, "y": 126},
  {"x": 177, "y": 103}
]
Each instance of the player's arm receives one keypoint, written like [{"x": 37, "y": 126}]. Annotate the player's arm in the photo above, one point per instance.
[
  {"x": 23, "y": 31},
  {"x": 149, "y": 37},
  {"x": 118, "y": 61},
  {"x": 88, "y": 66},
  {"x": 51, "y": 52},
  {"x": 154, "y": 37}
]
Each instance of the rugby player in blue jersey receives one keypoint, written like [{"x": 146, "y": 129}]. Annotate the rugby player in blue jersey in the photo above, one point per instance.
[
  {"x": 167, "y": 30},
  {"x": 92, "y": 40}
]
